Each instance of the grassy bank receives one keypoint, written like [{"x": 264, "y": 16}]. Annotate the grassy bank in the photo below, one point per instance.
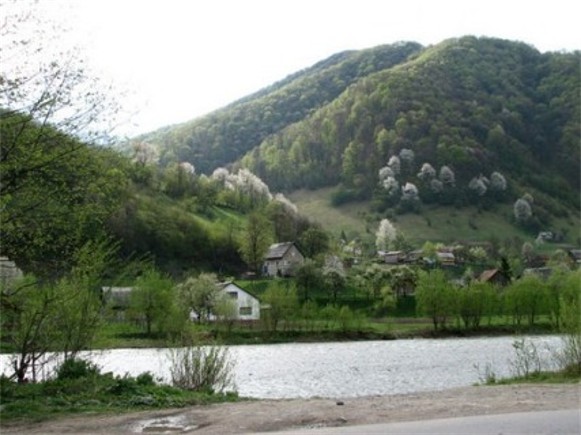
[
  {"x": 128, "y": 335},
  {"x": 91, "y": 392}
]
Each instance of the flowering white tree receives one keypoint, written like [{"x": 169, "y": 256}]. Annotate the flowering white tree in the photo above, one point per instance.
[
  {"x": 522, "y": 210},
  {"x": 447, "y": 176},
  {"x": 220, "y": 174},
  {"x": 391, "y": 186},
  {"x": 385, "y": 172},
  {"x": 187, "y": 168},
  {"x": 478, "y": 185},
  {"x": 145, "y": 154},
  {"x": 497, "y": 181},
  {"x": 395, "y": 164},
  {"x": 385, "y": 235},
  {"x": 289, "y": 206},
  {"x": 427, "y": 172},
  {"x": 410, "y": 192},
  {"x": 251, "y": 184}
]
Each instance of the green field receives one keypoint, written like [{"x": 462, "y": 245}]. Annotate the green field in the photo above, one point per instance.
[{"x": 436, "y": 224}]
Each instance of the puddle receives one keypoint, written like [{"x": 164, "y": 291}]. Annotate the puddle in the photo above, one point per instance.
[{"x": 170, "y": 424}]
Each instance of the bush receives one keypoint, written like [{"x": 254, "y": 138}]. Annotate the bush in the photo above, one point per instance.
[
  {"x": 75, "y": 368},
  {"x": 205, "y": 369}
]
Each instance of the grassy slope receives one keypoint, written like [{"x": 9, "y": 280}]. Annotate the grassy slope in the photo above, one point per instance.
[{"x": 441, "y": 224}]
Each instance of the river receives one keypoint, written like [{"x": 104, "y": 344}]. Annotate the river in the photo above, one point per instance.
[{"x": 347, "y": 369}]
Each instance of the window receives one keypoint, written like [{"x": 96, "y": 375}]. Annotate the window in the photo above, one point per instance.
[
  {"x": 233, "y": 295},
  {"x": 245, "y": 311}
]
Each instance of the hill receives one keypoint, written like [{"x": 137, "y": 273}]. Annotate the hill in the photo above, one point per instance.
[
  {"x": 469, "y": 122},
  {"x": 224, "y": 136},
  {"x": 476, "y": 105}
]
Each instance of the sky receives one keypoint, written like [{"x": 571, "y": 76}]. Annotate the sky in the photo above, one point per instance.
[{"x": 174, "y": 60}]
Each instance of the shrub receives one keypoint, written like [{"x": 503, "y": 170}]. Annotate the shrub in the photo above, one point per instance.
[
  {"x": 206, "y": 369},
  {"x": 75, "y": 368}
]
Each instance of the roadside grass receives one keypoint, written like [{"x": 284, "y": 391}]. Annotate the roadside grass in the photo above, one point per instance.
[
  {"x": 94, "y": 393},
  {"x": 545, "y": 377}
]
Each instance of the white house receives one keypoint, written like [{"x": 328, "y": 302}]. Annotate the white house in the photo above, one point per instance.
[{"x": 247, "y": 305}]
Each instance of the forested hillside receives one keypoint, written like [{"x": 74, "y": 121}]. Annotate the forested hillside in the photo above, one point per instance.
[
  {"x": 475, "y": 105},
  {"x": 61, "y": 197},
  {"x": 467, "y": 121},
  {"x": 224, "y": 136}
]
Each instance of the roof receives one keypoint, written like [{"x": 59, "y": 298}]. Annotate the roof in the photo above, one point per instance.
[
  {"x": 278, "y": 250},
  {"x": 118, "y": 290},
  {"x": 488, "y": 274},
  {"x": 224, "y": 285}
]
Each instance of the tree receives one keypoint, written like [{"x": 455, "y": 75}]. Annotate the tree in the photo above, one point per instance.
[
  {"x": 427, "y": 172},
  {"x": 474, "y": 302},
  {"x": 403, "y": 280},
  {"x": 55, "y": 192},
  {"x": 522, "y": 210},
  {"x": 334, "y": 276},
  {"x": 308, "y": 277},
  {"x": 435, "y": 297},
  {"x": 525, "y": 299},
  {"x": 447, "y": 176},
  {"x": 282, "y": 303},
  {"x": 314, "y": 241},
  {"x": 255, "y": 240},
  {"x": 375, "y": 278},
  {"x": 385, "y": 235},
  {"x": 153, "y": 301},
  {"x": 284, "y": 216},
  {"x": 200, "y": 295},
  {"x": 38, "y": 317}
]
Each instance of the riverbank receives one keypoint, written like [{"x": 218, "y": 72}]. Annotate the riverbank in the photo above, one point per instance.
[
  {"x": 270, "y": 415},
  {"x": 126, "y": 337}
]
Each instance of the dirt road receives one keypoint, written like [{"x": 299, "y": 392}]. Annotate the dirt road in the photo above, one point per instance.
[{"x": 271, "y": 415}]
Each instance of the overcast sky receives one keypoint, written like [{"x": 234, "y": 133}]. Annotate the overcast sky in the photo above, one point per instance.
[{"x": 180, "y": 59}]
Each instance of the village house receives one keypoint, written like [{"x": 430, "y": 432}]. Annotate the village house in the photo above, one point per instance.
[
  {"x": 494, "y": 276},
  {"x": 446, "y": 258},
  {"x": 282, "y": 259},
  {"x": 392, "y": 257},
  {"x": 247, "y": 305}
]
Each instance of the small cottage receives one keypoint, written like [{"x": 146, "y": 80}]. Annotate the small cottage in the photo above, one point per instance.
[
  {"x": 446, "y": 258},
  {"x": 282, "y": 259},
  {"x": 495, "y": 277},
  {"x": 247, "y": 305},
  {"x": 392, "y": 257}
]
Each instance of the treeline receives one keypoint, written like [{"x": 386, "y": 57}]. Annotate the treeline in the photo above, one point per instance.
[{"x": 522, "y": 303}]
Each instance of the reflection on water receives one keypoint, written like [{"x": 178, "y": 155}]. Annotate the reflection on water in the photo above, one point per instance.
[{"x": 346, "y": 369}]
